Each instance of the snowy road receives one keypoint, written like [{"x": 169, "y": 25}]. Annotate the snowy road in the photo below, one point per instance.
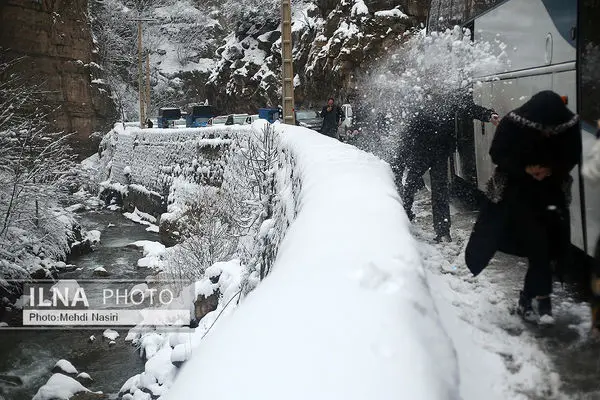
[{"x": 499, "y": 356}]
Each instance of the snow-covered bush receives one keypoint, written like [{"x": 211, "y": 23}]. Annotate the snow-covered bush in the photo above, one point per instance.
[
  {"x": 218, "y": 223},
  {"x": 439, "y": 63}
]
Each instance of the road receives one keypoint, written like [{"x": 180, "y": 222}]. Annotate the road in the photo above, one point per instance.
[{"x": 558, "y": 362}]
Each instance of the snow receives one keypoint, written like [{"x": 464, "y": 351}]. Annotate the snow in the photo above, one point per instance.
[
  {"x": 84, "y": 375},
  {"x": 359, "y": 8},
  {"x": 153, "y": 252},
  {"x": 110, "y": 334},
  {"x": 59, "y": 387},
  {"x": 394, "y": 13},
  {"x": 93, "y": 236},
  {"x": 65, "y": 366},
  {"x": 144, "y": 219},
  {"x": 352, "y": 341}
]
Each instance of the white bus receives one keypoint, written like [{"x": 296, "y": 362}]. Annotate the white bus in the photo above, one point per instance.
[{"x": 551, "y": 44}]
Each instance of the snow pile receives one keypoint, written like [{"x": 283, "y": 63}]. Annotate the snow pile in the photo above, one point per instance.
[
  {"x": 59, "y": 387},
  {"x": 394, "y": 13},
  {"x": 142, "y": 218},
  {"x": 66, "y": 367},
  {"x": 352, "y": 246},
  {"x": 153, "y": 253},
  {"x": 175, "y": 346}
]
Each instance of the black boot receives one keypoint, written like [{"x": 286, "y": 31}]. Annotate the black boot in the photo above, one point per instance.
[
  {"x": 525, "y": 309},
  {"x": 545, "y": 310},
  {"x": 443, "y": 238}
]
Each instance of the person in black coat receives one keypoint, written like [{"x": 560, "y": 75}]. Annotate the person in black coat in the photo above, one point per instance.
[
  {"x": 427, "y": 145},
  {"x": 332, "y": 117},
  {"x": 527, "y": 211}
]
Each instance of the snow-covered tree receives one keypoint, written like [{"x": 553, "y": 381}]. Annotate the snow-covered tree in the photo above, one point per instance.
[{"x": 35, "y": 166}]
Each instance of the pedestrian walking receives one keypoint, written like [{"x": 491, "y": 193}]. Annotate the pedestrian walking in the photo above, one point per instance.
[
  {"x": 332, "y": 118},
  {"x": 428, "y": 144},
  {"x": 527, "y": 208}
]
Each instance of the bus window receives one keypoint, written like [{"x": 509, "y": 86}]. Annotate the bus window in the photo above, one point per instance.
[
  {"x": 589, "y": 60},
  {"x": 445, "y": 14}
]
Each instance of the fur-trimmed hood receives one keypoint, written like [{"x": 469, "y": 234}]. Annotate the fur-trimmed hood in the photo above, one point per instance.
[
  {"x": 544, "y": 112},
  {"x": 546, "y": 129}
]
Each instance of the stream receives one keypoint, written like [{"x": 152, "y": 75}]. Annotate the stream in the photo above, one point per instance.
[{"x": 31, "y": 354}]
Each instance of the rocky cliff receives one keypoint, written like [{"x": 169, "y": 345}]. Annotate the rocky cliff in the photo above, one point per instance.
[
  {"x": 333, "y": 41},
  {"x": 229, "y": 52},
  {"x": 53, "y": 40}
]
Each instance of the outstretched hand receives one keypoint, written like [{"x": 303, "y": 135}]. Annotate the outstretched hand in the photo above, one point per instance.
[
  {"x": 495, "y": 119},
  {"x": 538, "y": 172}
]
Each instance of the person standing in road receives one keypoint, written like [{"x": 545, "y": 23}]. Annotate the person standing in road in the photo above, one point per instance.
[
  {"x": 332, "y": 118},
  {"x": 527, "y": 212},
  {"x": 428, "y": 144}
]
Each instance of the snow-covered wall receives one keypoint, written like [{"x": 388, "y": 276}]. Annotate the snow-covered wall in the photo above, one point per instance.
[
  {"x": 151, "y": 156},
  {"x": 346, "y": 312}
]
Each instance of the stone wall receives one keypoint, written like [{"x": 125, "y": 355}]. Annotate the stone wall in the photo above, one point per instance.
[{"x": 53, "y": 42}]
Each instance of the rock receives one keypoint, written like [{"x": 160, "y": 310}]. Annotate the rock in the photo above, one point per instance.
[
  {"x": 92, "y": 339},
  {"x": 64, "y": 367},
  {"x": 62, "y": 267},
  {"x": 55, "y": 42},
  {"x": 89, "y": 396},
  {"x": 110, "y": 334},
  {"x": 100, "y": 271},
  {"x": 41, "y": 273},
  {"x": 203, "y": 305},
  {"x": 112, "y": 343},
  {"x": 76, "y": 208},
  {"x": 11, "y": 380},
  {"x": 84, "y": 378}
]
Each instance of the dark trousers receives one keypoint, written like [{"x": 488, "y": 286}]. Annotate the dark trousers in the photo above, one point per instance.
[
  {"x": 440, "y": 191},
  {"x": 541, "y": 235},
  {"x": 330, "y": 131}
]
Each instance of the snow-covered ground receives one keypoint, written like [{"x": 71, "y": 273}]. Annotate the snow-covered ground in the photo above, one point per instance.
[
  {"x": 500, "y": 356},
  {"x": 359, "y": 304},
  {"x": 346, "y": 312}
]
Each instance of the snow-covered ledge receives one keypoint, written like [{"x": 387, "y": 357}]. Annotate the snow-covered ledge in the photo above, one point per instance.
[{"x": 346, "y": 312}]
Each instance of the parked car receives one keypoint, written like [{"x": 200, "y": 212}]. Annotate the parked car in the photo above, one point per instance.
[
  {"x": 309, "y": 119},
  {"x": 251, "y": 118},
  {"x": 167, "y": 117}
]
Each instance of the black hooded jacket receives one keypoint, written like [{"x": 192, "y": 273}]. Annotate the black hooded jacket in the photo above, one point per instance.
[
  {"x": 432, "y": 129},
  {"x": 542, "y": 132}
]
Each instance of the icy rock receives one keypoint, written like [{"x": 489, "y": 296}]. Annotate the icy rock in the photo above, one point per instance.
[
  {"x": 76, "y": 208},
  {"x": 11, "y": 380},
  {"x": 110, "y": 334},
  {"x": 59, "y": 387},
  {"x": 100, "y": 271},
  {"x": 92, "y": 338},
  {"x": 64, "y": 366},
  {"x": 84, "y": 377},
  {"x": 112, "y": 343}
]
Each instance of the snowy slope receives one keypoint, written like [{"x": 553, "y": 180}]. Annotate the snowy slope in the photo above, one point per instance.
[{"x": 347, "y": 312}]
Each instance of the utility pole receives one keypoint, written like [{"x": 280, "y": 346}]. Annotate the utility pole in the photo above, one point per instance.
[
  {"x": 287, "y": 63},
  {"x": 142, "y": 92},
  {"x": 147, "y": 84}
]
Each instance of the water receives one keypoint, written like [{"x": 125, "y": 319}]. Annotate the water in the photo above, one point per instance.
[{"x": 31, "y": 355}]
